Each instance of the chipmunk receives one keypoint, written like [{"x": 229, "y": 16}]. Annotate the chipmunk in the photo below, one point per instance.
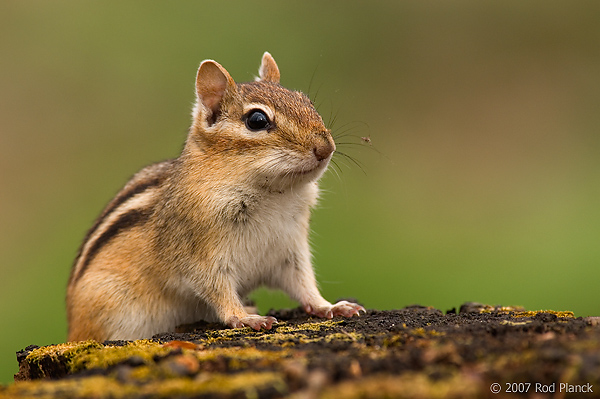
[{"x": 186, "y": 239}]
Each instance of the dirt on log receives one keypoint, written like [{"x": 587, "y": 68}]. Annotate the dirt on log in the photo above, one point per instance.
[{"x": 415, "y": 352}]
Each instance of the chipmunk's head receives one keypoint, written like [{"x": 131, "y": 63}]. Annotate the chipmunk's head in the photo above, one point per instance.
[{"x": 260, "y": 130}]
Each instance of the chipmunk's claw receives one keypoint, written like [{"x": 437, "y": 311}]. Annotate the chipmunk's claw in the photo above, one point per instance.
[
  {"x": 342, "y": 308},
  {"x": 253, "y": 321}
]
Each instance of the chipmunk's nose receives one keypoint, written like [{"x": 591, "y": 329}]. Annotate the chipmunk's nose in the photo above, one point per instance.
[{"x": 324, "y": 146}]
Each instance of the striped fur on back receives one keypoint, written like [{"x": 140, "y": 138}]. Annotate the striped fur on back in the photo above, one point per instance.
[{"x": 132, "y": 206}]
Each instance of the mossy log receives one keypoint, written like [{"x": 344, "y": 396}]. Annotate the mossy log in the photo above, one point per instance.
[{"x": 415, "y": 352}]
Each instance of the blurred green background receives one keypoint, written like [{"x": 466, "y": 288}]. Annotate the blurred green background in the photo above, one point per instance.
[{"x": 482, "y": 183}]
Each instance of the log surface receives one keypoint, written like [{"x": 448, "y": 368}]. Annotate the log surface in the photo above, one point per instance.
[{"x": 415, "y": 352}]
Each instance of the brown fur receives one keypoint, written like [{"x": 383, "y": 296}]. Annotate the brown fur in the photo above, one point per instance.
[{"x": 188, "y": 238}]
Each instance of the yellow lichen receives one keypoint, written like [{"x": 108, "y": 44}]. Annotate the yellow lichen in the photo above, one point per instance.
[
  {"x": 394, "y": 340},
  {"x": 110, "y": 355},
  {"x": 241, "y": 354},
  {"x": 91, "y": 354},
  {"x": 500, "y": 309},
  {"x": 315, "y": 326},
  {"x": 283, "y": 334},
  {"x": 519, "y": 311},
  {"x": 343, "y": 336},
  {"x": 532, "y": 313},
  {"x": 67, "y": 349},
  {"x": 408, "y": 385},
  {"x": 101, "y": 387},
  {"x": 421, "y": 332},
  {"x": 248, "y": 383},
  {"x": 514, "y": 323},
  {"x": 64, "y": 353}
]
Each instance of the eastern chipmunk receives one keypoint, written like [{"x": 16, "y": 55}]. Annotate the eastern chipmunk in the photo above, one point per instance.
[{"x": 187, "y": 238}]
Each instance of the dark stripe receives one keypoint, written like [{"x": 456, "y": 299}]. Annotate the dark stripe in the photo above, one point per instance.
[
  {"x": 117, "y": 201},
  {"x": 126, "y": 221},
  {"x": 120, "y": 199},
  {"x": 159, "y": 170},
  {"x": 124, "y": 196}
]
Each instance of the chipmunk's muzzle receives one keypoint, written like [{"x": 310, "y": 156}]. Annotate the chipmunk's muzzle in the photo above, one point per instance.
[{"x": 324, "y": 146}]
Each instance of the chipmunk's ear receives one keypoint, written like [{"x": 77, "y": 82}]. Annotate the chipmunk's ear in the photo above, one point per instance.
[
  {"x": 212, "y": 82},
  {"x": 268, "y": 71}
]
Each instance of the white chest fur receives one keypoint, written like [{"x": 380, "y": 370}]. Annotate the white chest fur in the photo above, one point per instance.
[{"x": 267, "y": 234}]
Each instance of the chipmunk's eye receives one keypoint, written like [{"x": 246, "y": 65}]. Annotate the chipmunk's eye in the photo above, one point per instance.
[{"x": 256, "y": 119}]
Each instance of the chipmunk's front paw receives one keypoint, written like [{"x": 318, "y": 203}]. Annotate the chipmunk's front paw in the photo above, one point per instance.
[
  {"x": 342, "y": 308},
  {"x": 253, "y": 321},
  {"x": 347, "y": 309}
]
